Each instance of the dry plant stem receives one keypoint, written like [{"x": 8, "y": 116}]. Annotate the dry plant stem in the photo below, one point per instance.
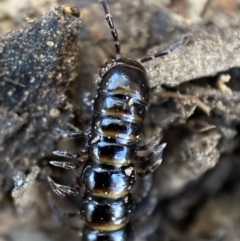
[{"x": 186, "y": 99}]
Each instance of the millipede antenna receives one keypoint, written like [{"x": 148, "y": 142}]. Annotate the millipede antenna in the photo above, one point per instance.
[
  {"x": 109, "y": 20},
  {"x": 174, "y": 48}
]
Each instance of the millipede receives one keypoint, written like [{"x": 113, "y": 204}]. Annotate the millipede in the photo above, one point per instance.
[{"x": 112, "y": 150}]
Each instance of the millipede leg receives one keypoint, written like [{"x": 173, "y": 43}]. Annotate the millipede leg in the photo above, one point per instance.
[
  {"x": 63, "y": 190},
  {"x": 174, "y": 48},
  {"x": 145, "y": 219},
  {"x": 149, "y": 145},
  {"x": 143, "y": 187},
  {"x": 147, "y": 227},
  {"x": 58, "y": 211},
  {"x": 67, "y": 165},
  {"x": 111, "y": 25},
  {"x": 70, "y": 154},
  {"x": 146, "y": 171},
  {"x": 59, "y": 214},
  {"x": 150, "y": 160},
  {"x": 71, "y": 134},
  {"x": 145, "y": 208},
  {"x": 150, "y": 150}
]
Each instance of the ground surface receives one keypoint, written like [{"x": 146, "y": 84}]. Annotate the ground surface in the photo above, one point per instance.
[{"x": 47, "y": 68}]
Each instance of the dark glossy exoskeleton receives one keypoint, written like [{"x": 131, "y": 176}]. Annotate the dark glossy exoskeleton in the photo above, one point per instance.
[
  {"x": 109, "y": 174},
  {"x": 109, "y": 171}
]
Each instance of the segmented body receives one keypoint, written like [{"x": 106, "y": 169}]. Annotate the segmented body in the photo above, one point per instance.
[
  {"x": 109, "y": 170},
  {"x": 109, "y": 174}
]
